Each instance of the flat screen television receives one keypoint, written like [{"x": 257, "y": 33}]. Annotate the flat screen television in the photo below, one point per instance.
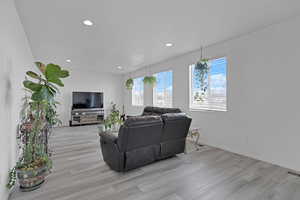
[{"x": 87, "y": 100}]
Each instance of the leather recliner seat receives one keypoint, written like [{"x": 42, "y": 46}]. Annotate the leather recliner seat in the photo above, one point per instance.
[{"x": 157, "y": 134}]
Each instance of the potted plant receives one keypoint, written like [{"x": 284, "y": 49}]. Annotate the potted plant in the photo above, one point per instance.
[
  {"x": 129, "y": 84},
  {"x": 113, "y": 121},
  {"x": 151, "y": 80},
  {"x": 201, "y": 70},
  {"x": 38, "y": 116}
]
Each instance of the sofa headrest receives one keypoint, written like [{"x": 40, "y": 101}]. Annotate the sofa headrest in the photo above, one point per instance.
[
  {"x": 148, "y": 110},
  {"x": 142, "y": 120},
  {"x": 159, "y": 111},
  {"x": 174, "y": 116}
]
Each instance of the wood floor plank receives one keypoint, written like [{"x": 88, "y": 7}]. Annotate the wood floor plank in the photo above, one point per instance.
[{"x": 80, "y": 173}]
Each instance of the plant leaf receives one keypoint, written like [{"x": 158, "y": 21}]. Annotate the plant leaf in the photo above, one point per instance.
[
  {"x": 42, "y": 94},
  {"x": 64, "y": 73},
  {"x": 32, "y": 86},
  {"x": 51, "y": 90},
  {"x": 54, "y": 73},
  {"x": 53, "y": 87},
  {"x": 33, "y": 75},
  {"x": 41, "y": 67},
  {"x": 57, "y": 81}
]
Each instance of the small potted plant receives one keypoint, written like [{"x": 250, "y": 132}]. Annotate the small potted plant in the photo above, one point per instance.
[
  {"x": 151, "y": 80},
  {"x": 129, "y": 84},
  {"x": 38, "y": 115},
  {"x": 113, "y": 121},
  {"x": 202, "y": 70}
]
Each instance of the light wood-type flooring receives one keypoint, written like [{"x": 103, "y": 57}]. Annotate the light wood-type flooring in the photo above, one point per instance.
[{"x": 208, "y": 174}]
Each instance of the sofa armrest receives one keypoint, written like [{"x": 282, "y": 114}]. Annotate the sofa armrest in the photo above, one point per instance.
[
  {"x": 110, "y": 152},
  {"x": 108, "y": 137}
]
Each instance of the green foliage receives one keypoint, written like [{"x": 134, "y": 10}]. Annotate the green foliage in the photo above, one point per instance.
[
  {"x": 202, "y": 70},
  {"x": 44, "y": 90},
  {"x": 151, "y": 80},
  {"x": 32, "y": 86},
  {"x": 129, "y": 84},
  {"x": 33, "y": 75},
  {"x": 54, "y": 73},
  {"x": 12, "y": 177},
  {"x": 37, "y": 115},
  {"x": 41, "y": 67},
  {"x": 113, "y": 118},
  {"x": 52, "y": 115},
  {"x": 25, "y": 110}
]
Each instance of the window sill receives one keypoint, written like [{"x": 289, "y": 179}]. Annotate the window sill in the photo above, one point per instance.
[{"x": 206, "y": 110}]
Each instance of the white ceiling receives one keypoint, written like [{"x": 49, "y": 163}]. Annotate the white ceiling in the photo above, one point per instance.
[{"x": 133, "y": 33}]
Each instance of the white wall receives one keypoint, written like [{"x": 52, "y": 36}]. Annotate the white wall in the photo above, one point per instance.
[
  {"x": 90, "y": 81},
  {"x": 263, "y": 94},
  {"x": 15, "y": 59}
]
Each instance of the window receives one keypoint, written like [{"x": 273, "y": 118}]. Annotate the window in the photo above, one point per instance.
[
  {"x": 138, "y": 92},
  {"x": 210, "y": 93},
  {"x": 162, "y": 92}
]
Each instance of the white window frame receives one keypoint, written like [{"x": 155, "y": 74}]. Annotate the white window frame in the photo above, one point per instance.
[
  {"x": 143, "y": 93},
  {"x": 154, "y": 92},
  {"x": 193, "y": 107}
]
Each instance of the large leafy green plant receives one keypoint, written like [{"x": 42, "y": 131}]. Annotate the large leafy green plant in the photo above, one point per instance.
[
  {"x": 45, "y": 88},
  {"x": 38, "y": 115}
]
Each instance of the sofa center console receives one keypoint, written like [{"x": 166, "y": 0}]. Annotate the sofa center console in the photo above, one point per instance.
[{"x": 86, "y": 116}]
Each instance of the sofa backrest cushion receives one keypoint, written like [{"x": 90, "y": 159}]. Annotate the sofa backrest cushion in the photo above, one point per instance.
[
  {"x": 176, "y": 126},
  {"x": 159, "y": 111},
  {"x": 139, "y": 132},
  {"x": 148, "y": 110}
]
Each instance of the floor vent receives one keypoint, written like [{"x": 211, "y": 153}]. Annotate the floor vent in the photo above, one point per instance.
[{"x": 294, "y": 174}]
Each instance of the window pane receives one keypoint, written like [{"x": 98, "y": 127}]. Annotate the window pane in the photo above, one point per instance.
[
  {"x": 162, "y": 92},
  {"x": 138, "y": 92},
  {"x": 212, "y": 95}
]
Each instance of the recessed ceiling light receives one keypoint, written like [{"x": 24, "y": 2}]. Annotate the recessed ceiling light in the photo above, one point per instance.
[
  {"x": 169, "y": 44},
  {"x": 120, "y": 67},
  {"x": 88, "y": 22},
  {"x": 68, "y": 60}
]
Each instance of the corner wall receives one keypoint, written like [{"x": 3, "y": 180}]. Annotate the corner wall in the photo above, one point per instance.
[
  {"x": 263, "y": 95},
  {"x": 90, "y": 81},
  {"x": 15, "y": 59}
]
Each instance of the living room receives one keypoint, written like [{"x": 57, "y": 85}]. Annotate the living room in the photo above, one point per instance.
[{"x": 245, "y": 53}]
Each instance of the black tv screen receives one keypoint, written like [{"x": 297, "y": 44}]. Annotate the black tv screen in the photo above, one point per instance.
[{"x": 87, "y": 100}]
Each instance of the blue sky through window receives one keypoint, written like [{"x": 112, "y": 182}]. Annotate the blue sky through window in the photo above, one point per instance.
[
  {"x": 162, "y": 92},
  {"x": 164, "y": 81}
]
